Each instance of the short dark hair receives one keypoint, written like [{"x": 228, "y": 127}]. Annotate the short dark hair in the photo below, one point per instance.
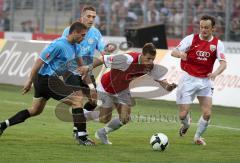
[
  {"x": 149, "y": 48},
  {"x": 208, "y": 17},
  {"x": 77, "y": 26},
  {"x": 91, "y": 8}
]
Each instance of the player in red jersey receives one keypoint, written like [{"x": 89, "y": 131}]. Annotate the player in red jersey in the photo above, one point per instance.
[
  {"x": 198, "y": 53},
  {"x": 113, "y": 88}
]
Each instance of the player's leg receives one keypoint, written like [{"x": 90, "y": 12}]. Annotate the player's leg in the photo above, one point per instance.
[
  {"x": 122, "y": 101},
  {"x": 76, "y": 101},
  {"x": 115, "y": 124},
  {"x": 204, "y": 96},
  {"x": 105, "y": 103},
  {"x": 206, "y": 107},
  {"x": 38, "y": 105},
  {"x": 125, "y": 114},
  {"x": 91, "y": 94},
  {"x": 185, "y": 95},
  {"x": 185, "y": 118},
  {"x": 105, "y": 116}
]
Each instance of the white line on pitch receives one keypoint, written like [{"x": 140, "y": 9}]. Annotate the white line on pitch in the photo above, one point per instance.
[{"x": 141, "y": 118}]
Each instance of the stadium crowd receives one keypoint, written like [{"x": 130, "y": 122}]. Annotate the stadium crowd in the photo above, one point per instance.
[{"x": 132, "y": 13}]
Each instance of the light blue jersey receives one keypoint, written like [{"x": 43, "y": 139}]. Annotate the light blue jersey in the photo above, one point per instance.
[
  {"x": 93, "y": 40},
  {"x": 58, "y": 57}
]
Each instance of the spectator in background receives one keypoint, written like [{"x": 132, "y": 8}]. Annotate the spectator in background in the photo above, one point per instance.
[
  {"x": 135, "y": 13},
  {"x": 27, "y": 26},
  {"x": 235, "y": 23},
  {"x": 236, "y": 9},
  {"x": 209, "y": 8},
  {"x": 153, "y": 16},
  {"x": 177, "y": 19},
  {"x": 235, "y": 30},
  {"x": 192, "y": 27},
  {"x": 24, "y": 27},
  {"x": 118, "y": 17},
  {"x": 102, "y": 11},
  {"x": 166, "y": 10},
  {"x": 1, "y": 23},
  {"x": 6, "y": 22}
]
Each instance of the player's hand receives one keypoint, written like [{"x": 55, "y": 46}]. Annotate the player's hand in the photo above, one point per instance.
[
  {"x": 93, "y": 94},
  {"x": 212, "y": 76},
  {"x": 83, "y": 70},
  {"x": 110, "y": 48},
  {"x": 183, "y": 56},
  {"x": 171, "y": 87},
  {"x": 167, "y": 86},
  {"x": 27, "y": 87}
]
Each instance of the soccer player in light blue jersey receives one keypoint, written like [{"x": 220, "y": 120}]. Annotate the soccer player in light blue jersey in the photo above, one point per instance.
[
  {"x": 51, "y": 63},
  {"x": 92, "y": 41}
]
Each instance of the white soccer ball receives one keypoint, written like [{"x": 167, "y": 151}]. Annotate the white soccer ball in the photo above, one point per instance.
[{"x": 159, "y": 142}]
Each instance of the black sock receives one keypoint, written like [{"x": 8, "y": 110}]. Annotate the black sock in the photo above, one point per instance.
[
  {"x": 19, "y": 117},
  {"x": 79, "y": 119},
  {"x": 3, "y": 126},
  {"x": 89, "y": 106}
]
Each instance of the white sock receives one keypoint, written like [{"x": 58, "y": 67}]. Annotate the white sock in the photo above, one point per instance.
[
  {"x": 202, "y": 126},
  {"x": 186, "y": 121},
  {"x": 92, "y": 115},
  {"x": 7, "y": 123},
  {"x": 113, "y": 125}
]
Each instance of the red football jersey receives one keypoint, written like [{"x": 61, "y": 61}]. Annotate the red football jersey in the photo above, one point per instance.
[
  {"x": 117, "y": 80},
  {"x": 200, "y": 57}
]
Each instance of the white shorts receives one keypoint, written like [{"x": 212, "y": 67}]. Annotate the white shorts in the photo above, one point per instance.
[
  {"x": 107, "y": 100},
  {"x": 189, "y": 87}
]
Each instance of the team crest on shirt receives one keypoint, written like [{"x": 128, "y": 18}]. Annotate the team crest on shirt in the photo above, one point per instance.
[
  {"x": 90, "y": 41},
  {"x": 212, "y": 48}
]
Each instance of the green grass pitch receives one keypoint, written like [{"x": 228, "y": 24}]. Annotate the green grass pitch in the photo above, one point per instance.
[{"x": 47, "y": 139}]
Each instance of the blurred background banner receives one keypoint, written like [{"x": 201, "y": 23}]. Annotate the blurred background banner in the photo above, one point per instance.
[
  {"x": 180, "y": 17},
  {"x": 163, "y": 22},
  {"x": 17, "y": 58}
]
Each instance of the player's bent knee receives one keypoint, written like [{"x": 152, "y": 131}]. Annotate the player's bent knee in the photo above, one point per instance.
[
  {"x": 34, "y": 112},
  {"x": 104, "y": 119},
  {"x": 77, "y": 104},
  {"x": 206, "y": 116}
]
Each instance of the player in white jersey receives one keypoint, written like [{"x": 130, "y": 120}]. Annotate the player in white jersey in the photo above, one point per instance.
[{"x": 198, "y": 53}]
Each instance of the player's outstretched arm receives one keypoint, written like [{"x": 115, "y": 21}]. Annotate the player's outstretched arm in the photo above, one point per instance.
[{"x": 36, "y": 67}]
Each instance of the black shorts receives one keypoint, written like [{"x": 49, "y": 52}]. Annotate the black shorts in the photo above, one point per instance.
[
  {"x": 78, "y": 84},
  {"x": 50, "y": 87}
]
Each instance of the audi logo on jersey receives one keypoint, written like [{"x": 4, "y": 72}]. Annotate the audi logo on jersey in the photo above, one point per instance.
[{"x": 203, "y": 54}]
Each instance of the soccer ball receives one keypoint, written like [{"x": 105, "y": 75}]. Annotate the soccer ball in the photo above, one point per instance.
[{"x": 159, "y": 142}]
